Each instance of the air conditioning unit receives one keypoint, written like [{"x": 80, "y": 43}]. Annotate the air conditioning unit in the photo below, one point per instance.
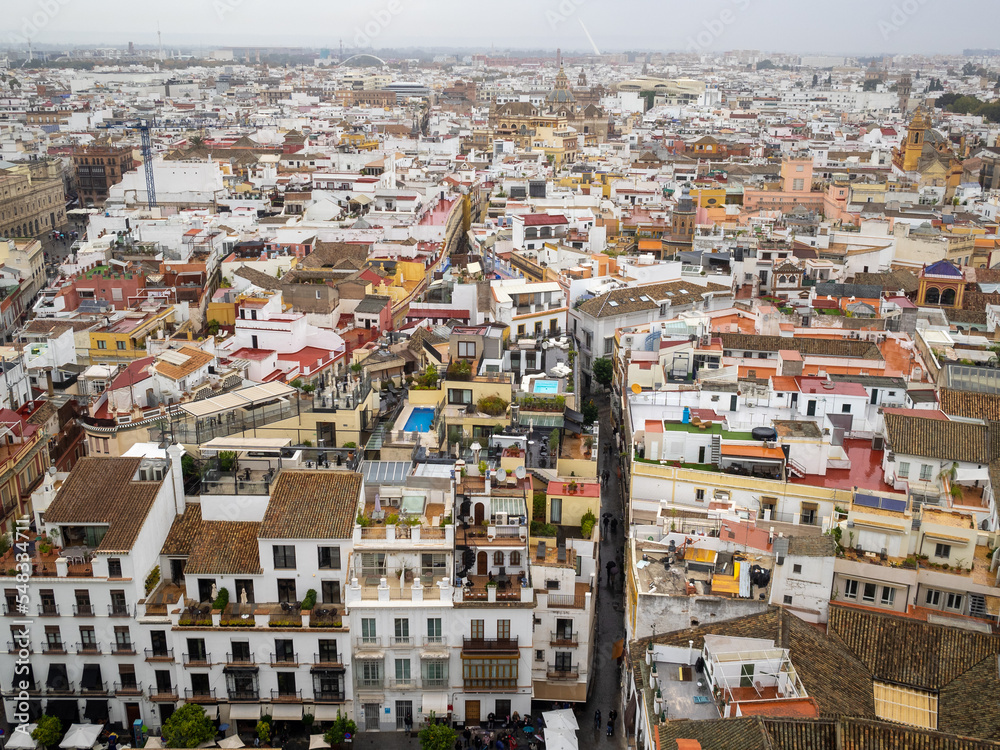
[{"x": 501, "y": 518}]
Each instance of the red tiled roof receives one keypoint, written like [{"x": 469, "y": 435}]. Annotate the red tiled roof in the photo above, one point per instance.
[{"x": 535, "y": 220}]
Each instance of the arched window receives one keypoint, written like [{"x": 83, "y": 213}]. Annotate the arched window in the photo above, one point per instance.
[
  {"x": 932, "y": 296},
  {"x": 782, "y": 280},
  {"x": 948, "y": 297},
  {"x": 515, "y": 558},
  {"x": 498, "y": 558}
]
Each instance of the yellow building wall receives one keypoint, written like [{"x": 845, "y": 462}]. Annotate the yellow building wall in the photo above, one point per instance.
[
  {"x": 224, "y": 312},
  {"x": 574, "y": 508},
  {"x": 576, "y": 467}
]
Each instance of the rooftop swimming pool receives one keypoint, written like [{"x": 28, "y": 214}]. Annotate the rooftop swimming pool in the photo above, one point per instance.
[
  {"x": 420, "y": 419},
  {"x": 546, "y": 386}
]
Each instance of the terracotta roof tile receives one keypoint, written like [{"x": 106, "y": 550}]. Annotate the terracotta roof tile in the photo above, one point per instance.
[
  {"x": 969, "y": 404},
  {"x": 935, "y": 438},
  {"x": 101, "y": 491},
  {"x": 819, "y": 347},
  {"x": 183, "y": 532},
  {"x": 911, "y": 652},
  {"x": 312, "y": 505},
  {"x": 225, "y": 548}
]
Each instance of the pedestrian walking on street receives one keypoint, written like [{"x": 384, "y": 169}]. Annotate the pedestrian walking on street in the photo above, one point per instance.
[
  {"x": 613, "y": 716},
  {"x": 611, "y": 729},
  {"x": 614, "y": 525},
  {"x": 604, "y": 520},
  {"x": 597, "y": 719}
]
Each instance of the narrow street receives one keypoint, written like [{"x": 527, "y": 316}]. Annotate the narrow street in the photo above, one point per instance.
[{"x": 610, "y": 626}]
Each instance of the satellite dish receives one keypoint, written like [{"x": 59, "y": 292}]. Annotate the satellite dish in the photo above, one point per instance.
[
  {"x": 520, "y": 472},
  {"x": 636, "y": 388},
  {"x": 501, "y": 475}
]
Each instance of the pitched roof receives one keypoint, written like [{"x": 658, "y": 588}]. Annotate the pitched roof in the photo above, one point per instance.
[
  {"x": 935, "y": 438},
  {"x": 834, "y": 289},
  {"x": 196, "y": 359},
  {"x": 225, "y": 548},
  {"x": 970, "y": 404},
  {"x": 102, "y": 491},
  {"x": 911, "y": 652},
  {"x": 716, "y": 734},
  {"x": 941, "y": 268},
  {"x": 890, "y": 280},
  {"x": 630, "y": 299},
  {"x": 832, "y": 675},
  {"x": 312, "y": 505},
  {"x": 183, "y": 531},
  {"x": 820, "y": 347}
]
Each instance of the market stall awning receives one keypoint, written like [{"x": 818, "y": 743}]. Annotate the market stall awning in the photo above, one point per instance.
[
  {"x": 286, "y": 712},
  {"x": 244, "y": 711},
  {"x": 436, "y": 702},
  {"x": 753, "y": 451},
  {"x": 326, "y": 712}
]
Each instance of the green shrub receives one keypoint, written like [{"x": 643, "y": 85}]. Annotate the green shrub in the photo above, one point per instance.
[
  {"x": 152, "y": 579},
  {"x": 539, "y": 528},
  {"x": 351, "y": 444},
  {"x": 222, "y": 599},
  {"x": 227, "y": 460},
  {"x": 310, "y": 600},
  {"x": 341, "y": 726},
  {"x": 49, "y": 732},
  {"x": 587, "y": 524},
  {"x": 538, "y": 506},
  {"x": 264, "y": 732},
  {"x": 493, "y": 406}
]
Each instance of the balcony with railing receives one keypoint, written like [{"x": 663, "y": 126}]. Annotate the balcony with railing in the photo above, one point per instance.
[
  {"x": 370, "y": 683},
  {"x": 402, "y": 683},
  {"x": 327, "y": 660},
  {"x": 53, "y": 648},
  {"x": 131, "y": 689},
  {"x": 434, "y": 683},
  {"x": 286, "y": 696},
  {"x": 122, "y": 649},
  {"x": 159, "y": 654},
  {"x": 68, "y": 689},
  {"x": 238, "y": 659},
  {"x": 368, "y": 642},
  {"x": 48, "y": 610},
  {"x": 83, "y": 610},
  {"x": 192, "y": 695},
  {"x": 163, "y": 694},
  {"x": 120, "y": 610},
  {"x": 563, "y": 671},
  {"x": 244, "y": 695},
  {"x": 198, "y": 660},
  {"x": 489, "y": 645},
  {"x": 13, "y": 647},
  {"x": 88, "y": 648},
  {"x": 402, "y": 641},
  {"x": 94, "y": 688},
  {"x": 564, "y": 638},
  {"x": 284, "y": 660},
  {"x": 329, "y": 696}
]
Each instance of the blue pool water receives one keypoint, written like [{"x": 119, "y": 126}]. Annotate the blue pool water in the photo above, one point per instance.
[
  {"x": 419, "y": 420},
  {"x": 546, "y": 386}
]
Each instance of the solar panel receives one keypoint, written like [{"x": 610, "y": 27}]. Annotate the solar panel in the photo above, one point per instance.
[
  {"x": 868, "y": 501},
  {"x": 897, "y": 506},
  {"x": 174, "y": 357}
]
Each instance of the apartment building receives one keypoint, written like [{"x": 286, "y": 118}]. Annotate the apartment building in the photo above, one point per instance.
[{"x": 32, "y": 199}]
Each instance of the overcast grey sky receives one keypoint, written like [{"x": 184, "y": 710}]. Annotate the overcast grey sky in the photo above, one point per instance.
[{"x": 797, "y": 26}]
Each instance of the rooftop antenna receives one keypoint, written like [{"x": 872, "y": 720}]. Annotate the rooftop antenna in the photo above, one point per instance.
[{"x": 159, "y": 39}]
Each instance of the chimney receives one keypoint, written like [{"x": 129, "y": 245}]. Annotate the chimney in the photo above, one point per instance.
[
  {"x": 561, "y": 554},
  {"x": 175, "y": 452},
  {"x": 541, "y": 551}
]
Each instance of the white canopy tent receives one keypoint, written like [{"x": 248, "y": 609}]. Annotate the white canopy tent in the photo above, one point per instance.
[
  {"x": 154, "y": 743},
  {"x": 21, "y": 739},
  {"x": 233, "y": 742},
  {"x": 316, "y": 742},
  {"x": 560, "y": 740},
  {"x": 82, "y": 736},
  {"x": 563, "y": 719}
]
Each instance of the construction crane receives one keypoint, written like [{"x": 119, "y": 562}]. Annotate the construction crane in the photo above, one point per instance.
[
  {"x": 147, "y": 162},
  {"x": 143, "y": 125}
]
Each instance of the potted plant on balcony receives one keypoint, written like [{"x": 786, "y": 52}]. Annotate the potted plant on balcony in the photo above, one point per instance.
[
  {"x": 572, "y": 487},
  {"x": 588, "y": 444}
]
